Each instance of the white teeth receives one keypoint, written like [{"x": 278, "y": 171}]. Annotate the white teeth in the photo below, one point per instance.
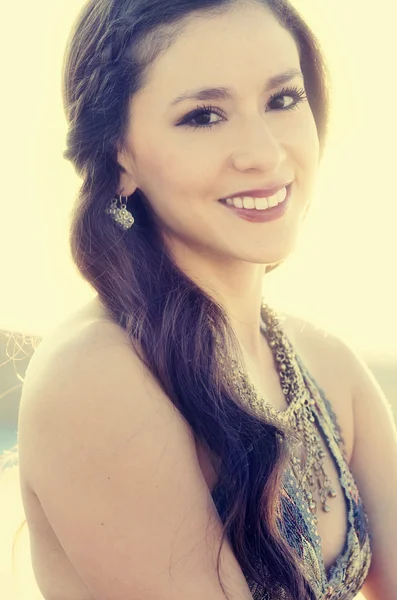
[
  {"x": 248, "y": 202},
  {"x": 281, "y": 195},
  {"x": 261, "y": 203},
  {"x": 258, "y": 203},
  {"x": 273, "y": 200}
]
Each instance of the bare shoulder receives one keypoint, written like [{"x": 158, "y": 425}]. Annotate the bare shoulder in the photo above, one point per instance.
[
  {"x": 76, "y": 338},
  {"x": 320, "y": 347},
  {"x": 85, "y": 370},
  {"x": 328, "y": 359},
  {"x": 115, "y": 469},
  {"x": 306, "y": 332}
]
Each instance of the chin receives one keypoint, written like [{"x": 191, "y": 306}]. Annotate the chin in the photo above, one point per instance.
[{"x": 273, "y": 257}]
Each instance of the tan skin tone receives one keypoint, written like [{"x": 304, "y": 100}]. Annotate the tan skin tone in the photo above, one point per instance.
[{"x": 184, "y": 171}]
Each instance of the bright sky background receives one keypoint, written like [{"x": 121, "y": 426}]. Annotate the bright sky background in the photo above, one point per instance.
[{"x": 342, "y": 276}]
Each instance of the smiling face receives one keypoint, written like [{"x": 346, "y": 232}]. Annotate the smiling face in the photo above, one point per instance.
[{"x": 184, "y": 167}]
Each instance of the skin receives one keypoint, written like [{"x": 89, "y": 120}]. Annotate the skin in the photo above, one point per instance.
[{"x": 183, "y": 171}]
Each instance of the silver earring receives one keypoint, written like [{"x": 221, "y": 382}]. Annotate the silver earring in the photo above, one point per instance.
[{"x": 121, "y": 216}]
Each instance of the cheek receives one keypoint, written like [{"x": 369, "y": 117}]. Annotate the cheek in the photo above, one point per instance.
[
  {"x": 180, "y": 173},
  {"x": 308, "y": 141},
  {"x": 168, "y": 181},
  {"x": 305, "y": 154}
]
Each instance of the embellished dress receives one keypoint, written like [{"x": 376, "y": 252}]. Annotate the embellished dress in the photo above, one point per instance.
[{"x": 346, "y": 576}]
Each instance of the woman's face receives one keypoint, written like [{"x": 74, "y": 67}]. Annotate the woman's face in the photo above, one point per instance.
[{"x": 184, "y": 169}]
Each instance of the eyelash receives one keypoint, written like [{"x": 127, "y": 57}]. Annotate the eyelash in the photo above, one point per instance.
[{"x": 298, "y": 94}]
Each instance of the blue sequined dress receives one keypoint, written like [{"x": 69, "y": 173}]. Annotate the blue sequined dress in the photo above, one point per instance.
[{"x": 346, "y": 576}]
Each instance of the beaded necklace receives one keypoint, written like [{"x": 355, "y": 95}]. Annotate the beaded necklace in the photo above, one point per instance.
[{"x": 299, "y": 415}]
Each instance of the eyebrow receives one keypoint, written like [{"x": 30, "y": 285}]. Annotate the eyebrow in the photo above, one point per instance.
[{"x": 223, "y": 93}]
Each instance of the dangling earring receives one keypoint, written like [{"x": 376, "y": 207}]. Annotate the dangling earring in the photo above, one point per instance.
[{"x": 121, "y": 216}]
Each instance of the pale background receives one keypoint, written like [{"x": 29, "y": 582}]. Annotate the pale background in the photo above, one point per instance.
[{"x": 342, "y": 276}]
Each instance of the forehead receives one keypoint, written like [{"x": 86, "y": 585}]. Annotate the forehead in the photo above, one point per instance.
[{"x": 245, "y": 44}]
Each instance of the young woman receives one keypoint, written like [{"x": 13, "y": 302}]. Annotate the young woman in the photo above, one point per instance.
[{"x": 178, "y": 438}]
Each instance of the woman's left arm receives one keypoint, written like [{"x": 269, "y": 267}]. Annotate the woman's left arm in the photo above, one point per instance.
[{"x": 374, "y": 466}]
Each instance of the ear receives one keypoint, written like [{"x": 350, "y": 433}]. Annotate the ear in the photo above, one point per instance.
[{"x": 127, "y": 183}]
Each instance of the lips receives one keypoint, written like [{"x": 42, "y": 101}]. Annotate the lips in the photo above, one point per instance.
[
  {"x": 260, "y": 193},
  {"x": 288, "y": 187},
  {"x": 254, "y": 215}
]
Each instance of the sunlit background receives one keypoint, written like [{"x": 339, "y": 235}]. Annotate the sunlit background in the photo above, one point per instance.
[{"x": 342, "y": 275}]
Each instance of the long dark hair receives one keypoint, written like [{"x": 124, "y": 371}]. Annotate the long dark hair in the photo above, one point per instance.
[{"x": 172, "y": 323}]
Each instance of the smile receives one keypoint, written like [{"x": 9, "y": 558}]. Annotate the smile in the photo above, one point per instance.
[{"x": 260, "y": 210}]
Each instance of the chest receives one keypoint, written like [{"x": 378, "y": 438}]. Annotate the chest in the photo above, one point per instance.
[
  {"x": 331, "y": 527},
  {"x": 327, "y": 376}
]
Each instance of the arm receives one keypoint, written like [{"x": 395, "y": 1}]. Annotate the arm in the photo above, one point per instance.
[
  {"x": 116, "y": 471},
  {"x": 374, "y": 466}
]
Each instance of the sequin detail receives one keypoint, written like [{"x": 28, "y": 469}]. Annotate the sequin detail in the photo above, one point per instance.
[{"x": 349, "y": 571}]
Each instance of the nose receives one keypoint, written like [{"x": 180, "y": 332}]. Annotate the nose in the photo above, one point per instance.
[{"x": 258, "y": 147}]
